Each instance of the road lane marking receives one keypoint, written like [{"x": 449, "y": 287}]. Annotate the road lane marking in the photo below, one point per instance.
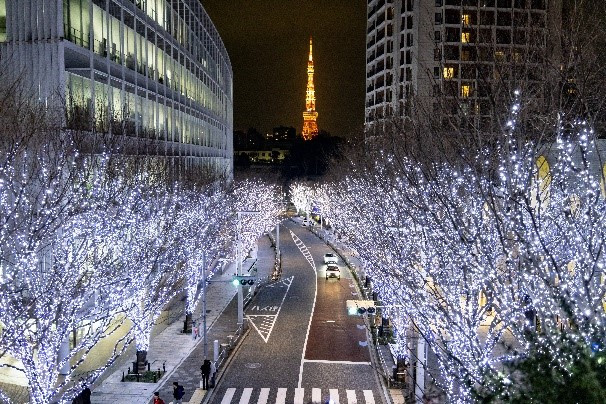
[
  {"x": 281, "y": 397},
  {"x": 334, "y": 396},
  {"x": 316, "y": 396},
  {"x": 267, "y": 321},
  {"x": 263, "y": 396},
  {"x": 351, "y": 397},
  {"x": 335, "y": 362},
  {"x": 369, "y": 397},
  {"x": 229, "y": 394},
  {"x": 299, "y": 393},
  {"x": 310, "y": 259},
  {"x": 246, "y": 396}
]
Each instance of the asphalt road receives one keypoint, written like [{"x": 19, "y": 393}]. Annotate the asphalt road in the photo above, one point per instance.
[{"x": 292, "y": 356}]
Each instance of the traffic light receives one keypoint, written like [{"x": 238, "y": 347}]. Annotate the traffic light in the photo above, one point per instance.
[
  {"x": 355, "y": 307},
  {"x": 244, "y": 280}
]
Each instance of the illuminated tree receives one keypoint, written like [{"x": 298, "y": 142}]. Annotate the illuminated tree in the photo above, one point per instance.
[
  {"x": 489, "y": 257},
  {"x": 59, "y": 226}
]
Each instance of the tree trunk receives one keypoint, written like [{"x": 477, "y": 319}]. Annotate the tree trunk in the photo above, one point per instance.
[
  {"x": 140, "y": 366},
  {"x": 187, "y": 324}
]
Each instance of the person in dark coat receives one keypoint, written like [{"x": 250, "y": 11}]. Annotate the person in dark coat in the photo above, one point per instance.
[
  {"x": 205, "y": 368},
  {"x": 86, "y": 393},
  {"x": 178, "y": 393}
]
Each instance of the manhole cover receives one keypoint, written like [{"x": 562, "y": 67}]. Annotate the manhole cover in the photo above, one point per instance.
[{"x": 253, "y": 365}]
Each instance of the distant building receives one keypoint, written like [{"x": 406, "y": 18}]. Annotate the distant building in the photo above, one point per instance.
[
  {"x": 446, "y": 54},
  {"x": 310, "y": 116},
  {"x": 153, "y": 70},
  {"x": 283, "y": 133},
  {"x": 268, "y": 156}
]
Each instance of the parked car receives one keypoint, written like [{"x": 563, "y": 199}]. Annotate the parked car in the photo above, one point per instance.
[
  {"x": 330, "y": 258},
  {"x": 305, "y": 222},
  {"x": 333, "y": 271}
]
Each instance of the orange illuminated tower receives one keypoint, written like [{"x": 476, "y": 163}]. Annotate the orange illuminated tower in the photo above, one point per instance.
[{"x": 310, "y": 126}]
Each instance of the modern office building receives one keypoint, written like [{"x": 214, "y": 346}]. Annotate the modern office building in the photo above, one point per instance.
[
  {"x": 154, "y": 70},
  {"x": 450, "y": 56}
]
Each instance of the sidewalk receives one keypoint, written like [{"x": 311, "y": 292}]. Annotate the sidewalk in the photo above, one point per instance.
[
  {"x": 180, "y": 353},
  {"x": 383, "y": 354}
]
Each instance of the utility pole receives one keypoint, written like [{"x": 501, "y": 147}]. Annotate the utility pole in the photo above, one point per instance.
[
  {"x": 278, "y": 239},
  {"x": 239, "y": 264},
  {"x": 239, "y": 273}
]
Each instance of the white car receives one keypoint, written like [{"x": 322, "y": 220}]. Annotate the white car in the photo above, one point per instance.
[
  {"x": 330, "y": 258},
  {"x": 305, "y": 222},
  {"x": 333, "y": 271}
]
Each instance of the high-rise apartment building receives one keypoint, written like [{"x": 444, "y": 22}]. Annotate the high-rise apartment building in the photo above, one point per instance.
[
  {"x": 450, "y": 56},
  {"x": 154, "y": 70}
]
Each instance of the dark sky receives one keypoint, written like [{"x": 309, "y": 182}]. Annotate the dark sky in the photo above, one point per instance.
[{"x": 268, "y": 42}]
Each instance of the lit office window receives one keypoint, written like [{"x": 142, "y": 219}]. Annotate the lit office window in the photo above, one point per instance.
[{"x": 448, "y": 73}]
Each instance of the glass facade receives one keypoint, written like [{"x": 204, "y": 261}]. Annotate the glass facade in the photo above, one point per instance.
[{"x": 159, "y": 68}]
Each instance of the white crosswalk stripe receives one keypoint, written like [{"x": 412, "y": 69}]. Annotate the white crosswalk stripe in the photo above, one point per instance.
[
  {"x": 263, "y": 396},
  {"x": 297, "y": 396},
  {"x": 316, "y": 395},
  {"x": 229, "y": 394},
  {"x": 246, "y": 396},
  {"x": 334, "y": 396},
  {"x": 351, "y": 397},
  {"x": 281, "y": 397}
]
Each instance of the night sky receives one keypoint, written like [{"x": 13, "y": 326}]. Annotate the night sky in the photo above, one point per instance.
[{"x": 268, "y": 44}]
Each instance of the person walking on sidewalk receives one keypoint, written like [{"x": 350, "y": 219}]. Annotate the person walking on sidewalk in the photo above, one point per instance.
[
  {"x": 178, "y": 393},
  {"x": 205, "y": 368},
  {"x": 157, "y": 399},
  {"x": 213, "y": 371},
  {"x": 194, "y": 331}
]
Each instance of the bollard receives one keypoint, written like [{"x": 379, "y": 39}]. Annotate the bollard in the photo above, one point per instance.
[
  {"x": 137, "y": 376},
  {"x": 164, "y": 367},
  {"x": 148, "y": 366},
  {"x": 122, "y": 376},
  {"x": 128, "y": 371},
  {"x": 215, "y": 350}
]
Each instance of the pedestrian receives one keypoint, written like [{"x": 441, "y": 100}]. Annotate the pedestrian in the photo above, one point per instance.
[
  {"x": 205, "y": 368},
  {"x": 213, "y": 370},
  {"x": 178, "y": 393},
  {"x": 194, "y": 331},
  {"x": 86, "y": 393},
  {"x": 83, "y": 397},
  {"x": 157, "y": 399}
]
